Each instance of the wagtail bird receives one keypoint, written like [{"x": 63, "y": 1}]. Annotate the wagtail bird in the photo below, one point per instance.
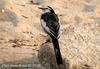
[{"x": 50, "y": 23}]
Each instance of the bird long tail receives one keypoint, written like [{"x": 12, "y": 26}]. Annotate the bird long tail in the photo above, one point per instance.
[{"x": 57, "y": 50}]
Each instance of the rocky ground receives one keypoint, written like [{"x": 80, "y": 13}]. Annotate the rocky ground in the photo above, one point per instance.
[{"x": 22, "y": 40}]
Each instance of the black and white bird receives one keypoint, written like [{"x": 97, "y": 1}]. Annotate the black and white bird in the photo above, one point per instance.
[{"x": 50, "y": 23}]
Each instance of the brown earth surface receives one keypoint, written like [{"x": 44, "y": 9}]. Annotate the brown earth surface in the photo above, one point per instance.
[{"x": 22, "y": 40}]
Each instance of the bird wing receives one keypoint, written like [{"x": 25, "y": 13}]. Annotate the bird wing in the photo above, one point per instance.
[{"x": 53, "y": 25}]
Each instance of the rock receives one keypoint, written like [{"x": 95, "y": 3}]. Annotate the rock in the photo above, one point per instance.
[{"x": 9, "y": 16}]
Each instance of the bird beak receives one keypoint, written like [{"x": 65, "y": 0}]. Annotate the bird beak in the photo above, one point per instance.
[{"x": 42, "y": 8}]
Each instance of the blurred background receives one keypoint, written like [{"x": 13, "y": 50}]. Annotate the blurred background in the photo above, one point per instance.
[{"x": 22, "y": 40}]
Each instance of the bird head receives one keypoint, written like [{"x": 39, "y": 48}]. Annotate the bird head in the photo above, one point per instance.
[{"x": 47, "y": 9}]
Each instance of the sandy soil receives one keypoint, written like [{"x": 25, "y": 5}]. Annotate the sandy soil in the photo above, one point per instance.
[{"x": 22, "y": 40}]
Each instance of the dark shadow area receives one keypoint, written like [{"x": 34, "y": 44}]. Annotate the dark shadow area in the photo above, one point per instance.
[
  {"x": 8, "y": 15},
  {"x": 47, "y": 58}
]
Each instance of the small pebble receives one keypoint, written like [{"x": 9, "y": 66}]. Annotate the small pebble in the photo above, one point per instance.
[{"x": 3, "y": 10}]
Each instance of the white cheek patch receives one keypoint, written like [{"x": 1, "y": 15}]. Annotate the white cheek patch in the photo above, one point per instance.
[{"x": 46, "y": 11}]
